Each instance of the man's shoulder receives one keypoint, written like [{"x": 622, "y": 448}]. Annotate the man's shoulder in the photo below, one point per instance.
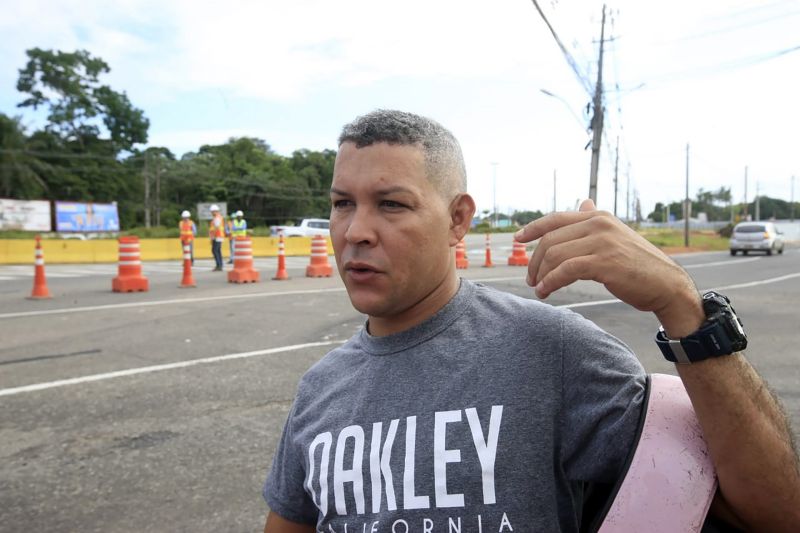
[{"x": 501, "y": 305}]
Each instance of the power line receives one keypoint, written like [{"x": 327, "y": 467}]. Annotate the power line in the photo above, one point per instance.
[{"x": 585, "y": 83}]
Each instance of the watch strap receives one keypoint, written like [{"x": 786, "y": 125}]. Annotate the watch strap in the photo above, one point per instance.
[{"x": 709, "y": 341}]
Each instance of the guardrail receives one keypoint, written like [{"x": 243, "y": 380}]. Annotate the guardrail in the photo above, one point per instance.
[{"x": 20, "y": 251}]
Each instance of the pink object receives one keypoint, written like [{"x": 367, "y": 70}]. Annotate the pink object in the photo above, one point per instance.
[{"x": 671, "y": 480}]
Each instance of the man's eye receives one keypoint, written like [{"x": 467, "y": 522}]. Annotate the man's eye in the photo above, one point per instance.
[
  {"x": 392, "y": 204},
  {"x": 341, "y": 204}
]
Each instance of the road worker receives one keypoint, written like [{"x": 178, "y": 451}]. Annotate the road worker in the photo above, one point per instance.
[
  {"x": 188, "y": 232},
  {"x": 216, "y": 232}
]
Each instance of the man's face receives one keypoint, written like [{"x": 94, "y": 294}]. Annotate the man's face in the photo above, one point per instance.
[{"x": 391, "y": 229}]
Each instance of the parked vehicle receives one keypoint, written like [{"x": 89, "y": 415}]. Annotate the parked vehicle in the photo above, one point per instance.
[
  {"x": 308, "y": 227},
  {"x": 756, "y": 236}
]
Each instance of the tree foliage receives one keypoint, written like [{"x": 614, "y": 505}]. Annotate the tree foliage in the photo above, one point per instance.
[
  {"x": 90, "y": 150},
  {"x": 68, "y": 85}
]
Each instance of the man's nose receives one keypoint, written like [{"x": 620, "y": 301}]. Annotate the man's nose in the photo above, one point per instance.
[{"x": 361, "y": 228}]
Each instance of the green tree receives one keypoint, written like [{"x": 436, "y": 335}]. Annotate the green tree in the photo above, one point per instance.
[
  {"x": 67, "y": 84},
  {"x": 523, "y": 217},
  {"x": 21, "y": 173}
]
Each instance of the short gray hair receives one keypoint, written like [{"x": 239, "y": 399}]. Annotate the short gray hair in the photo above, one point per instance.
[{"x": 443, "y": 158}]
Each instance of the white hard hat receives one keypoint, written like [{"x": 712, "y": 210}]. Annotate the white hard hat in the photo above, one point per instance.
[
  {"x": 186, "y": 214},
  {"x": 214, "y": 207},
  {"x": 239, "y": 213}
]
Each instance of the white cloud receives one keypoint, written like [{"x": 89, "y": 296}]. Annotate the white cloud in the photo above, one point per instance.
[{"x": 690, "y": 56}]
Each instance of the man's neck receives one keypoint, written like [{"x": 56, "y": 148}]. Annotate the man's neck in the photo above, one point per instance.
[{"x": 417, "y": 313}]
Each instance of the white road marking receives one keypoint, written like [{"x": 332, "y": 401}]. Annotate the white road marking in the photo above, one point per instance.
[
  {"x": 158, "y": 368},
  {"x": 723, "y": 263},
  {"x": 243, "y": 355},
  {"x": 745, "y": 285},
  {"x": 153, "y": 303}
]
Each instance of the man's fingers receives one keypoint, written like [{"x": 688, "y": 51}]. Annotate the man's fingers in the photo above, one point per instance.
[
  {"x": 573, "y": 233},
  {"x": 537, "y": 228},
  {"x": 566, "y": 273}
]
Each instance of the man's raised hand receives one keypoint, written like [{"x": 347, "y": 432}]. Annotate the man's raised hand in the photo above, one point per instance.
[{"x": 595, "y": 245}]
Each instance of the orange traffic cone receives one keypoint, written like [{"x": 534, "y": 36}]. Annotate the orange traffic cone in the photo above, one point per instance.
[
  {"x": 488, "y": 263},
  {"x": 129, "y": 277},
  {"x": 281, "y": 274},
  {"x": 461, "y": 255},
  {"x": 40, "y": 290},
  {"x": 188, "y": 280},
  {"x": 519, "y": 256},
  {"x": 243, "y": 271},
  {"x": 319, "y": 266}
]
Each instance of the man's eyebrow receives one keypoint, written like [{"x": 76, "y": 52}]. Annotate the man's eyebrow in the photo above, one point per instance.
[
  {"x": 379, "y": 192},
  {"x": 395, "y": 189}
]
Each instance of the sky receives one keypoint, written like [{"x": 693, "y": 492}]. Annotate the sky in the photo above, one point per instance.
[{"x": 721, "y": 76}]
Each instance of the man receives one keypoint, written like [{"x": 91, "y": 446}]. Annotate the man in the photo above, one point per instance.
[
  {"x": 461, "y": 406},
  {"x": 239, "y": 225},
  {"x": 188, "y": 232},
  {"x": 216, "y": 232}
]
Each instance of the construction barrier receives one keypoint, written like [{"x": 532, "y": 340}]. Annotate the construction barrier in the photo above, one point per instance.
[
  {"x": 319, "y": 267},
  {"x": 461, "y": 255},
  {"x": 243, "y": 270},
  {"x": 188, "y": 279},
  {"x": 518, "y": 257},
  {"x": 40, "y": 290},
  {"x": 282, "y": 274},
  {"x": 129, "y": 278},
  {"x": 63, "y": 251},
  {"x": 488, "y": 262}
]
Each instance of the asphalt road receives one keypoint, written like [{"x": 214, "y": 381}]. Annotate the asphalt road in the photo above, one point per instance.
[{"x": 160, "y": 411}]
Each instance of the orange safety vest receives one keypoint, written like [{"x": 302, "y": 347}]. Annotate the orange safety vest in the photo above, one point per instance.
[
  {"x": 216, "y": 232},
  {"x": 187, "y": 235}
]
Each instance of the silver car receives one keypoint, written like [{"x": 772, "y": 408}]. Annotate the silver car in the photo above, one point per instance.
[{"x": 756, "y": 236}]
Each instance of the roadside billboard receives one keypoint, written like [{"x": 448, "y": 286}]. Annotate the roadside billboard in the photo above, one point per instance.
[
  {"x": 25, "y": 215},
  {"x": 203, "y": 213},
  {"x": 76, "y": 216}
]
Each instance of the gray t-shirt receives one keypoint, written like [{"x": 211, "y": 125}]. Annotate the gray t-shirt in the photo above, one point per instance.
[{"x": 489, "y": 416}]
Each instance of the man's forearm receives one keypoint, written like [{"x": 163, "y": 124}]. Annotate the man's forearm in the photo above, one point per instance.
[
  {"x": 744, "y": 425},
  {"x": 750, "y": 441}
]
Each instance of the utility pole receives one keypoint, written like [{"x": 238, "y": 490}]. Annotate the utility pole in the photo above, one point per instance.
[
  {"x": 687, "y": 210},
  {"x": 745, "y": 192},
  {"x": 158, "y": 193},
  {"x": 791, "y": 203},
  {"x": 554, "y": 191},
  {"x": 628, "y": 195},
  {"x": 494, "y": 191},
  {"x": 758, "y": 203},
  {"x": 616, "y": 175},
  {"x": 597, "y": 117},
  {"x": 146, "y": 179}
]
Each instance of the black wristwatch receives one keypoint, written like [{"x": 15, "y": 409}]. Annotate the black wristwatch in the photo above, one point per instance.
[{"x": 721, "y": 334}]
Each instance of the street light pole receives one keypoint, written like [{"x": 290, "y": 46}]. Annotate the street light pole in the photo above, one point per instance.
[
  {"x": 791, "y": 203},
  {"x": 687, "y": 210},
  {"x": 494, "y": 191},
  {"x": 554, "y": 190}
]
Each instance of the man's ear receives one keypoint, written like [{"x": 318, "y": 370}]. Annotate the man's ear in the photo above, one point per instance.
[{"x": 462, "y": 209}]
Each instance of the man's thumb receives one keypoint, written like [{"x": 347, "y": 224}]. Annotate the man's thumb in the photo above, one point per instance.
[{"x": 587, "y": 205}]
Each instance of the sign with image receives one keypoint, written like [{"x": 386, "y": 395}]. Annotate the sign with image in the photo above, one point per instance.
[{"x": 76, "y": 216}]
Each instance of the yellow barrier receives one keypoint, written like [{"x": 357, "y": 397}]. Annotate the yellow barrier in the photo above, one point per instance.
[{"x": 18, "y": 251}]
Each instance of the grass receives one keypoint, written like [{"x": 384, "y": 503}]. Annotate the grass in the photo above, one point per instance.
[{"x": 673, "y": 239}]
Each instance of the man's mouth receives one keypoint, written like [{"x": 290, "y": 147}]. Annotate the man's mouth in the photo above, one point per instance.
[{"x": 357, "y": 266}]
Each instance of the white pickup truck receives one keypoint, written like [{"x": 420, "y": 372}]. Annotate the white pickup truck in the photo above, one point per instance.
[{"x": 308, "y": 227}]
